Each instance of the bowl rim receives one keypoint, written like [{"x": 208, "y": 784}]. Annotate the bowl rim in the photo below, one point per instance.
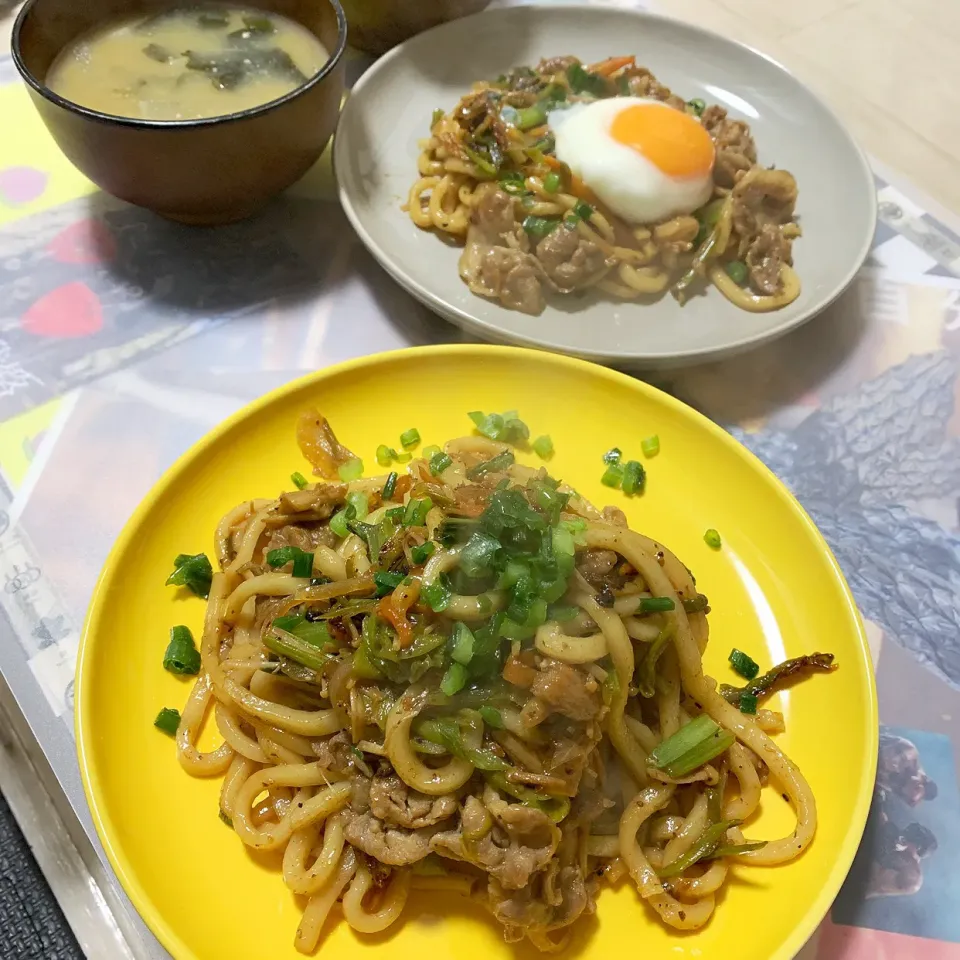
[{"x": 138, "y": 123}]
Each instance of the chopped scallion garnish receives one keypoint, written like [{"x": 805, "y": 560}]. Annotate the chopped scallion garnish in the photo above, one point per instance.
[
  {"x": 360, "y": 504},
  {"x": 551, "y": 182},
  {"x": 389, "y": 488},
  {"x": 306, "y": 643},
  {"x": 506, "y": 427},
  {"x": 410, "y": 438},
  {"x": 423, "y": 552},
  {"x": 436, "y": 595},
  {"x": 543, "y": 447},
  {"x": 613, "y": 455},
  {"x": 748, "y": 703},
  {"x": 429, "y": 452},
  {"x": 298, "y": 480},
  {"x": 538, "y": 227},
  {"x": 744, "y": 664},
  {"x": 439, "y": 462},
  {"x": 454, "y": 680},
  {"x": 404, "y": 457},
  {"x": 656, "y": 604},
  {"x": 650, "y": 446},
  {"x": 351, "y": 470},
  {"x": 491, "y": 716},
  {"x": 415, "y": 514},
  {"x": 583, "y": 210},
  {"x": 182, "y": 656},
  {"x": 461, "y": 643},
  {"x": 496, "y": 464},
  {"x": 712, "y": 539},
  {"x": 385, "y": 455},
  {"x": 634, "y": 477},
  {"x": 192, "y": 571},
  {"x": 302, "y": 561},
  {"x": 613, "y": 476},
  {"x": 338, "y": 522},
  {"x": 697, "y": 742},
  {"x": 168, "y": 720},
  {"x": 387, "y": 581}
]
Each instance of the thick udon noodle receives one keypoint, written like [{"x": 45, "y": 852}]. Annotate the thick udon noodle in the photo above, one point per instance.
[
  {"x": 281, "y": 793},
  {"x": 640, "y": 260}
]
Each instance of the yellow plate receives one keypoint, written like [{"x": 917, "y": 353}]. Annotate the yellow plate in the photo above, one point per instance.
[{"x": 774, "y": 588}]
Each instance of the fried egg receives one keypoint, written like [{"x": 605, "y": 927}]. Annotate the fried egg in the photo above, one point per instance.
[{"x": 645, "y": 160}]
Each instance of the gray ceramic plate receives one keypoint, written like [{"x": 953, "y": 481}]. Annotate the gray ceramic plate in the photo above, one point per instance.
[{"x": 389, "y": 110}]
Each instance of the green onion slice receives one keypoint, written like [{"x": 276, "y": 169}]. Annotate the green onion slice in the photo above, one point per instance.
[
  {"x": 461, "y": 643},
  {"x": 182, "y": 656},
  {"x": 439, "y": 462},
  {"x": 387, "y": 581},
  {"x": 712, "y": 539},
  {"x": 496, "y": 464},
  {"x": 744, "y": 664},
  {"x": 351, "y": 470},
  {"x": 650, "y": 446},
  {"x": 409, "y": 438},
  {"x": 613, "y": 476},
  {"x": 361, "y": 506},
  {"x": 415, "y": 514},
  {"x": 454, "y": 680},
  {"x": 168, "y": 720},
  {"x": 748, "y": 703},
  {"x": 694, "y": 744},
  {"x": 302, "y": 561},
  {"x": 543, "y": 447},
  {"x": 193, "y": 572},
  {"x": 420, "y": 554},
  {"x": 390, "y": 486},
  {"x": 656, "y": 604},
  {"x": 634, "y": 477}
]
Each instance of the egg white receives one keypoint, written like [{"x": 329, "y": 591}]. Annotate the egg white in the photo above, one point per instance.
[{"x": 629, "y": 184}]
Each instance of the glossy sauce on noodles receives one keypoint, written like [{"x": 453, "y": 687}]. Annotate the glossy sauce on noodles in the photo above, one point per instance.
[
  {"x": 189, "y": 63},
  {"x": 486, "y": 685}
]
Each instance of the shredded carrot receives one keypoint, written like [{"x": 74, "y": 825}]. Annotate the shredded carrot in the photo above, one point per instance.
[
  {"x": 397, "y": 618},
  {"x": 607, "y": 67},
  {"x": 518, "y": 673}
]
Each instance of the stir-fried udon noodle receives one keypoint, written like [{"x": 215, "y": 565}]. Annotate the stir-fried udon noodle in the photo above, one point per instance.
[
  {"x": 468, "y": 678},
  {"x": 489, "y": 178}
]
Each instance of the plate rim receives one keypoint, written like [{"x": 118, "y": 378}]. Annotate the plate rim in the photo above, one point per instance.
[
  {"x": 468, "y": 321},
  {"x": 84, "y": 727}
]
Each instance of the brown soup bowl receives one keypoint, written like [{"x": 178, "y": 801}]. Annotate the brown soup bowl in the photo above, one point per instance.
[
  {"x": 209, "y": 171},
  {"x": 378, "y": 25}
]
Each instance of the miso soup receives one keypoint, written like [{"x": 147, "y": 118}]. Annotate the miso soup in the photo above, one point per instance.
[{"x": 186, "y": 63}]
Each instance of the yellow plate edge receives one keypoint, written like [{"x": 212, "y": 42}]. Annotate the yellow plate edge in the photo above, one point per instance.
[{"x": 82, "y": 719}]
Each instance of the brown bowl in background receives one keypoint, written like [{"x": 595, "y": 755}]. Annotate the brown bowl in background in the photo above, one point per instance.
[
  {"x": 378, "y": 25},
  {"x": 208, "y": 171}
]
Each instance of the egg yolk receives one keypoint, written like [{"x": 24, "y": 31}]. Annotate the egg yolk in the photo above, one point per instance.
[{"x": 676, "y": 143}]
